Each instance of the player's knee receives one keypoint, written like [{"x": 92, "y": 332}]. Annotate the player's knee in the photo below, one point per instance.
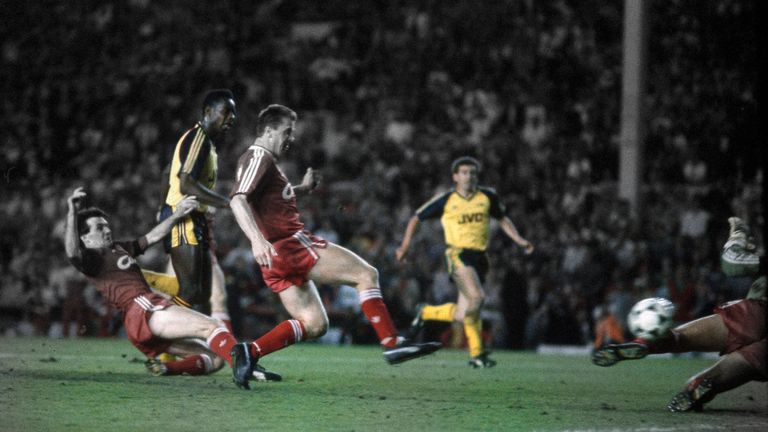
[
  {"x": 475, "y": 302},
  {"x": 209, "y": 325},
  {"x": 316, "y": 327},
  {"x": 216, "y": 364},
  {"x": 367, "y": 277}
]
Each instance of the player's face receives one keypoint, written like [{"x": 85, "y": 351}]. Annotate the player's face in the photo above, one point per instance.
[
  {"x": 221, "y": 117},
  {"x": 466, "y": 178},
  {"x": 282, "y": 137},
  {"x": 99, "y": 234}
]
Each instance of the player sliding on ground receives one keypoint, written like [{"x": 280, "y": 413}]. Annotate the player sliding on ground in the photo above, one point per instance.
[
  {"x": 152, "y": 322},
  {"x": 292, "y": 258},
  {"x": 737, "y": 330}
]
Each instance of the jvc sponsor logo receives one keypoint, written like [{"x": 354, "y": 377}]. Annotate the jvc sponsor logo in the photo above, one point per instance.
[{"x": 469, "y": 218}]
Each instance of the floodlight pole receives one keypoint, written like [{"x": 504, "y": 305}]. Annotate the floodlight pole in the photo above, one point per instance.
[{"x": 632, "y": 110}]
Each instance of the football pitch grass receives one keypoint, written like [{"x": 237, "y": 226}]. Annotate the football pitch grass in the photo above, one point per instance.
[{"x": 101, "y": 385}]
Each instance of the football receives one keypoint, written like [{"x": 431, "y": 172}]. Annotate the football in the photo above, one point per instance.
[{"x": 651, "y": 318}]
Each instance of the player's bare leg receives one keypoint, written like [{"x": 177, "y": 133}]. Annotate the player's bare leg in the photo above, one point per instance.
[
  {"x": 338, "y": 265},
  {"x": 457, "y": 325},
  {"x": 176, "y": 322},
  {"x": 308, "y": 320},
  {"x": 470, "y": 287},
  {"x": 195, "y": 358},
  {"x": 304, "y": 304},
  {"x": 218, "y": 299},
  {"x": 707, "y": 334},
  {"x": 192, "y": 265},
  {"x": 730, "y": 371}
]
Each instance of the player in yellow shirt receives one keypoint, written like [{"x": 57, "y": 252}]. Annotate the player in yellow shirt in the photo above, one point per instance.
[
  {"x": 193, "y": 172},
  {"x": 464, "y": 213}
]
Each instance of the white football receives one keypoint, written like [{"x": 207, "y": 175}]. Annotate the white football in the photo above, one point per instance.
[{"x": 651, "y": 318}]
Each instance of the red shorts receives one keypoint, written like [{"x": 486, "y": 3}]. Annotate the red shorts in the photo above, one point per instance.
[
  {"x": 745, "y": 320},
  {"x": 136, "y": 322},
  {"x": 296, "y": 256}
]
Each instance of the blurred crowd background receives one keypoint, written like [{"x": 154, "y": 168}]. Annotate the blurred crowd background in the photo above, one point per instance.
[{"x": 96, "y": 93}]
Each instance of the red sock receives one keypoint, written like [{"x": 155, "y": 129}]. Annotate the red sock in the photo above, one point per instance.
[
  {"x": 372, "y": 304},
  {"x": 286, "y": 333},
  {"x": 221, "y": 342},
  {"x": 668, "y": 344},
  {"x": 192, "y": 365}
]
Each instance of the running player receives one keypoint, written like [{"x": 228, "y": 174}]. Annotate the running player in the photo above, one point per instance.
[
  {"x": 737, "y": 330},
  {"x": 194, "y": 172},
  {"x": 464, "y": 213},
  {"x": 152, "y": 323},
  {"x": 291, "y": 258}
]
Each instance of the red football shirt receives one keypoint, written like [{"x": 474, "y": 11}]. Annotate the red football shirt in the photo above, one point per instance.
[
  {"x": 269, "y": 193},
  {"x": 115, "y": 272}
]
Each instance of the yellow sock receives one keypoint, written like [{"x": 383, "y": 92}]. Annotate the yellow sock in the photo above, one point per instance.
[
  {"x": 165, "y": 357},
  {"x": 162, "y": 282},
  {"x": 443, "y": 312},
  {"x": 473, "y": 328}
]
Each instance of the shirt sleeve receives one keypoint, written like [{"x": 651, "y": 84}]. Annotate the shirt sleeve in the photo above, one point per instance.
[
  {"x": 433, "y": 208},
  {"x": 193, "y": 153},
  {"x": 251, "y": 168},
  {"x": 497, "y": 209},
  {"x": 135, "y": 247}
]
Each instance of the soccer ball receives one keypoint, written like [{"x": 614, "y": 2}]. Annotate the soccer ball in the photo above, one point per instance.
[{"x": 651, "y": 318}]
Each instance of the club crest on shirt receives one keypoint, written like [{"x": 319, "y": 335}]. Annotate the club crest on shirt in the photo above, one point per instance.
[
  {"x": 288, "y": 192},
  {"x": 125, "y": 262}
]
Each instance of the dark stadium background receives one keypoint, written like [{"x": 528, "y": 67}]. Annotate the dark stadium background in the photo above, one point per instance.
[{"x": 96, "y": 93}]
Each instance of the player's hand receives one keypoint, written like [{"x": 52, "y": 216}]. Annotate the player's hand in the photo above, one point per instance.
[
  {"x": 77, "y": 199},
  {"x": 527, "y": 248},
  {"x": 400, "y": 253},
  {"x": 263, "y": 251},
  {"x": 186, "y": 205},
  {"x": 311, "y": 179}
]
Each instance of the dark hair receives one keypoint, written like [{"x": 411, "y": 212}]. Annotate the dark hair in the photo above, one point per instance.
[
  {"x": 464, "y": 160},
  {"x": 84, "y": 215},
  {"x": 272, "y": 116},
  {"x": 215, "y": 96}
]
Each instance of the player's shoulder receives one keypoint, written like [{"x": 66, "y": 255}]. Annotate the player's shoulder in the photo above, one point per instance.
[
  {"x": 256, "y": 157},
  {"x": 488, "y": 190},
  {"x": 195, "y": 133},
  {"x": 441, "y": 196},
  {"x": 438, "y": 200}
]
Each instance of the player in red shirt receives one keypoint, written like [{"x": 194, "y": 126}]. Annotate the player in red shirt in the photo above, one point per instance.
[
  {"x": 153, "y": 324},
  {"x": 737, "y": 330},
  {"x": 291, "y": 258}
]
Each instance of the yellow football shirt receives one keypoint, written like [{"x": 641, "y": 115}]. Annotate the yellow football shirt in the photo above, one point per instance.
[{"x": 466, "y": 221}]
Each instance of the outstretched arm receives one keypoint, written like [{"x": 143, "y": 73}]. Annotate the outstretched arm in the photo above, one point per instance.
[
  {"x": 189, "y": 186},
  {"x": 511, "y": 231},
  {"x": 261, "y": 248},
  {"x": 71, "y": 239},
  {"x": 183, "y": 208},
  {"x": 308, "y": 183},
  {"x": 410, "y": 230}
]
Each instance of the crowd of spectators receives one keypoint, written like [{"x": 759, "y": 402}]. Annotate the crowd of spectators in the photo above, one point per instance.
[{"x": 388, "y": 93}]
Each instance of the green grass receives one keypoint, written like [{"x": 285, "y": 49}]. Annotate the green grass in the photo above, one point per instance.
[{"x": 101, "y": 385}]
